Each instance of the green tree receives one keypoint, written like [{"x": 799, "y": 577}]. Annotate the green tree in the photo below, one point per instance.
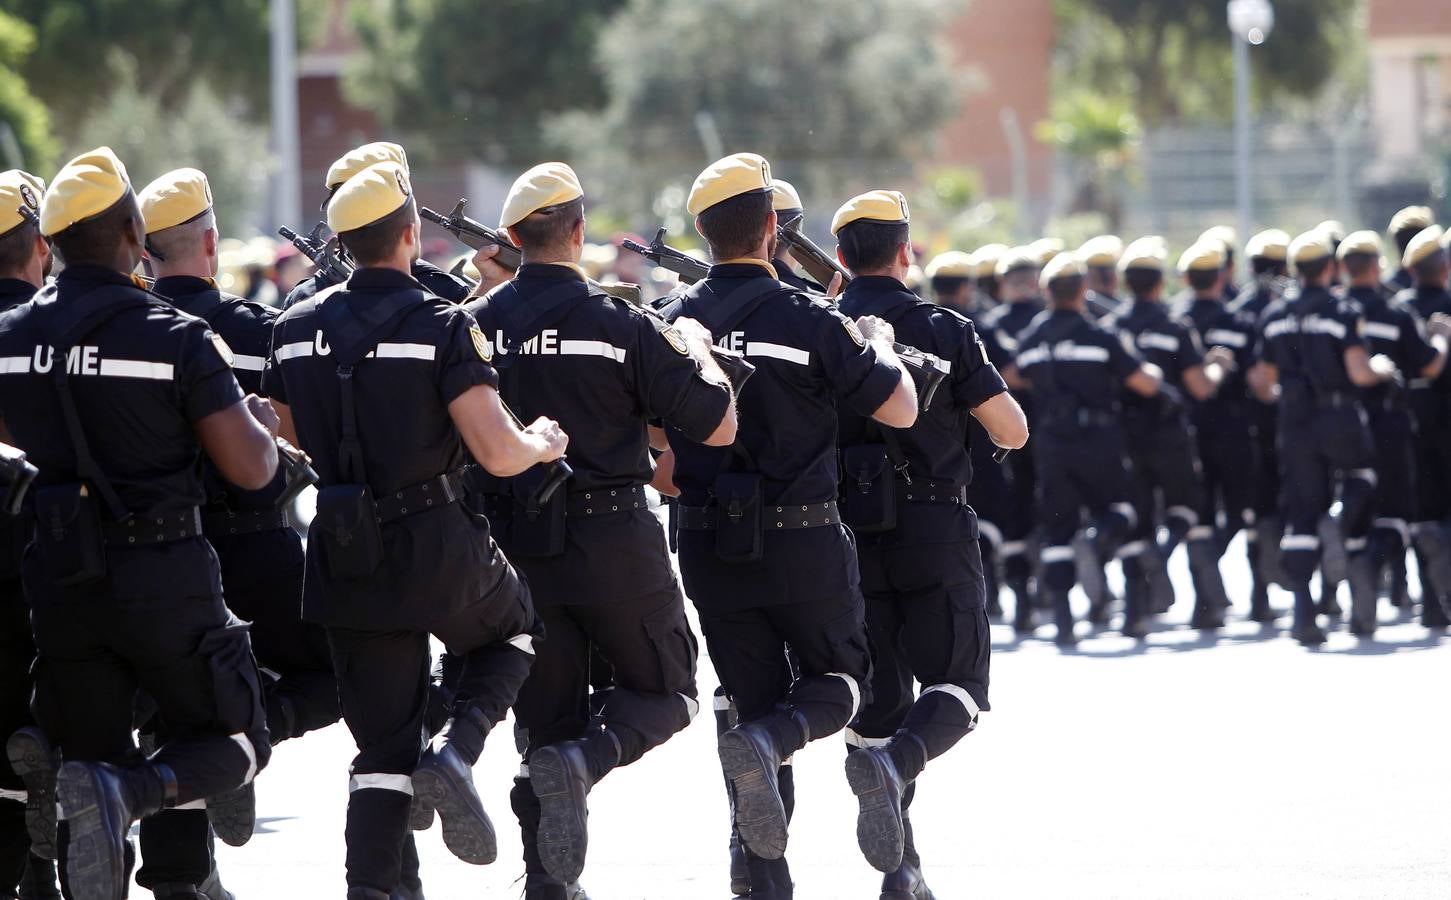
[
  {"x": 1173, "y": 58},
  {"x": 833, "y": 93},
  {"x": 471, "y": 79},
  {"x": 25, "y": 139},
  {"x": 1098, "y": 136}
]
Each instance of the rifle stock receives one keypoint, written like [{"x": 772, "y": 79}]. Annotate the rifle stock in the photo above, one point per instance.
[{"x": 819, "y": 264}]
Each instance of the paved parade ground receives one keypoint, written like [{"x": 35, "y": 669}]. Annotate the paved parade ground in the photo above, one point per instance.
[{"x": 1184, "y": 767}]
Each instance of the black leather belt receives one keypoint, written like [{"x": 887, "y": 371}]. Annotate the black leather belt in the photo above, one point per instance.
[
  {"x": 1084, "y": 418},
  {"x": 920, "y": 490},
  {"x": 776, "y": 518},
  {"x": 1337, "y": 400},
  {"x": 431, "y": 494},
  {"x": 141, "y": 531},
  {"x": 232, "y": 522},
  {"x": 603, "y": 501}
]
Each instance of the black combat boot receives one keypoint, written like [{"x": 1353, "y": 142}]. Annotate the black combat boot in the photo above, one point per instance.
[
  {"x": 38, "y": 882},
  {"x": 562, "y": 775},
  {"x": 35, "y": 762},
  {"x": 1364, "y": 579},
  {"x": 1136, "y": 604},
  {"x": 1062, "y": 617},
  {"x": 233, "y": 814},
  {"x": 1305, "y": 629},
  {"x": 444, "y": 781},
  {"x": 100, "y": 803},
  {"x": 1210, "y": 597},
  {"x": 751, "y": 758},
  {"x": 878, "y": 788},
  {"x": 1025, "y": 621},
  {"x": 907, "y": 882}
]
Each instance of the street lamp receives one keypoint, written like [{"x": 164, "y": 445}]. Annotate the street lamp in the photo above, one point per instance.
[{"x": 1250, "y": 22}]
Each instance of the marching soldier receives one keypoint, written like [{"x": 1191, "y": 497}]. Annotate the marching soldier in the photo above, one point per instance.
[
  {"x": 1076, "y": 370},
  {"x": 594, "y": 554},
  {"x": 115, "y": 395},
  {"x": 1228, "y": 238},
  {"x": 752, "y": 512},
  {"x": 985, "y": 276},
  {"x": 787, "y": 204},
  {"x": 388, "y": 386},
  {"x": 1100, "y": 256},
  {"x": 1405, "y": 225},
  {"x": 904, "y": 498},
  {"x": 25, "y": 261},
  {"x": 950, "y": 276},
  {"x": 1001, "y": 329},
  {"x": 1427, "y": 260},
  {"x": 1312, "y": 349},
  {"x": 1392, "y": 332}
]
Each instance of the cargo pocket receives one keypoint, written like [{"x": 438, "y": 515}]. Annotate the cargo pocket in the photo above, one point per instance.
[
  {"x": 226, "y": 654},
  {"x": 675, "y": 649},
  {"x": 851, "y": 652}
]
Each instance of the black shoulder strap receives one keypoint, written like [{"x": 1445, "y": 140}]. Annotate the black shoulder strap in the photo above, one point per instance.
[{"x": 721, "y": 316}]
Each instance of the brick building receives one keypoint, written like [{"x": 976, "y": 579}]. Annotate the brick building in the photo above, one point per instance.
[{"x": 1410, "y": 78}]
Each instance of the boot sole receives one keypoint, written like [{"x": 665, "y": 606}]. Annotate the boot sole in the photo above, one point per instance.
[
  {"x": 34, "y": 766},
  {"x": 562, "y": 838},
  {"x": 95, "y": 856},
  {"x": 760, "y": 814},
  {"x": 467, "y": 833},
  {"x": 879, "y": 830},
  {"x": 233, "y": 815},
  {"x": 420, "y": 815}
]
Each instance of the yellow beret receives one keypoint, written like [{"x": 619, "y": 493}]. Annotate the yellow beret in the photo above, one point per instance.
[
  {"x": 1426, "y": 242},
  {"x": 1016, "y": 260},
  {"x": 1064, "y": 265},
  {"x": 176, "y": 197},
  {"x": 1044, "y": 249},
  {"x": 1333, "y": 229},
  {"x": 1272, "y": 244},
  {"x": 1103, "y": 250},
  {"x": 545, "y": 185},
  {"x": 86, "y": 186},
  {"x": 737, "y": 174},
  {"x": 952, "y": 264},
  {"x": 18, "y": 189},
  {"x": 1151, "y": 252},
  {"x": 1418, "y": 217},
  {"x": 985, "y": 260},
  {"x": 360, "y": 158},
  {"x": 886, "y": 207},
  {"x": 784, "y": 196},
  {"x": 374, "y": 193},
  {"x": 1225, "y": 234},
  {"x": 1364, "y": 242},
  {"x": 1310, "y": 247},
  {"x": 1203, "y": 256}
]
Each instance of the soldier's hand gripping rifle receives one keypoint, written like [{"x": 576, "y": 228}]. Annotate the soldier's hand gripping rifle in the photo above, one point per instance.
[
  {"x": 477, "y": 235},
  {"x": 323, "y": 251},
  {"x": 819, "y": 264},
  {"x": 297, "y": 467},
  {"x": 665, "y": 256},
  {"x": 18, "y": 473}
]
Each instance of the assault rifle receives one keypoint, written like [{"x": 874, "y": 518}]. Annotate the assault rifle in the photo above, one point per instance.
[
  {"x": 819, "y": 264},
  {"x": 325, "y": 252},
  {"x": 665, "y": 256},
  {"x": 298, "y": 471},
  {"x": 18, "y": 473}
]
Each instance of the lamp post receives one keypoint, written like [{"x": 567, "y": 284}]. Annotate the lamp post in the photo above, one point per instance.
[
  {"x": 286, "y": 185},
  {"x": 1250, "y": 22}
]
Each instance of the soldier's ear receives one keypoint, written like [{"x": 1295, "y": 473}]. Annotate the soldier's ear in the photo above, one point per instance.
[{"x": 209, "y": 242}]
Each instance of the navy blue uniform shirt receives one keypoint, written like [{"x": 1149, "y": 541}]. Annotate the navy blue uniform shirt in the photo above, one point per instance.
[
  {"x": 1217, "y": 325},
  {"x": 1394, "y": 332},
  {"x": 1159, "y": 339},
  {"x": 435, "y": 280},
  {"x": 1305, "y": 336},
  {"x": 1073, "y": 365}
]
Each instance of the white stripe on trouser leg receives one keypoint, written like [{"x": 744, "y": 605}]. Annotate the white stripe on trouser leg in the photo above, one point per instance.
[
  {"x": 856, "y": 692},
  {"x": 1056, "y": 554},
  {"x": 990, "y": 531},
  {"x": 722, "y": 703},
  {"x": 1129, "y": 551},
  {"x": 523, "y": 770},
  {"x": 1183, "y": 512},
  {"x": 692, "y": 706},
  {"x": 1200, "y": 533},
  {"x": 382, "y": 781},
  {"x": 787, "y": 760},
  {"x": 17, "y": 796},
  {"x": 1366, "y": 475},
  {"x": 1300, "y": 542},
  {"x": 1355, "y": 545},
  {"x": 861, "y": 743},
  {"x": 195, "y": 804},
  {"x": 958, "y": 693},
  {"x": 524, "y": 642},
  {"x": 1399, "y": 526},
  {"x": 1013, "y": 548},
  {"x": 251, "y": 752},
  {"x": 1126, "y": 511}
]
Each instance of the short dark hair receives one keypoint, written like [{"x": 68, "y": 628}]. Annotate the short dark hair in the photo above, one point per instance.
[
  {"x": 1263, "y": 265},
  {"x": 1203, "y": 279},
  {"x": 16, "y": 249},
  {"x": 1066, "y": 288},
  {"x": 99, "y": 238},
  {"x": 1357, "y": 264},
  {"x": 377, "y": 242},
  {"x": 1142, "y": 280},
  {"x": 548, "y": 230},
  {"x": 1430, "y": 268},
  {"x": 1309, "y": 271},
  {"x": 868, "y": 246},
  {"x": 734, "y": 228},
  {"x": 988, "y": 284},
  {"x": 1404, "y": 237},
  {"x": 949, "y": 285}
]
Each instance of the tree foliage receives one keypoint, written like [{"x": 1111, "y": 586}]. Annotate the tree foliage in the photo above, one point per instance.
[
  {"x": 475, "y": 79},
  {"x": 25, "y": 139},
  {"x": 809, "y": 84},
  {"x": 1174, "y": 58}
]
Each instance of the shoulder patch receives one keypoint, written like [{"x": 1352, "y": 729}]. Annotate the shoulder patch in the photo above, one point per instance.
[
  {"x": 482, "y": 347},
  {"x": 676, "y": 340},
  {"x": 854, "y": 332},
  {"x": 226, "y": 353}
]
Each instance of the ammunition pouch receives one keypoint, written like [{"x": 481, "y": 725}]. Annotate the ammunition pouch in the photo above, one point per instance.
[
  {"x": 738, "y": 523},
  {"x": 68, "y": 534},
  {"x": 347, "y": 529},
  {"x": 536, "y": 528},
  {"x": 868, "y": 489}
]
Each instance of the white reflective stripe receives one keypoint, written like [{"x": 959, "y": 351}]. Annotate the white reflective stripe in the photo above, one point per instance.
[
  {"x": 195, "y": 804},
  {"x": 943, "y": 366},
  {"x": 856, "y": 692},
  {"x": 251, "y": 752},
  {"x": 1129, "y": 550},
  {"x": 136, "y": 368},
  {"x": 722, "y": 703},
  {"x": 1383, "y": 330},
  {"x": 524, "y": 642},
  {"x": 1056, "y": 554},
  {"x": 383, "y": 781},
  {"x": 248, "y": 363},
  {"x": 1366, "y": 475},
  {"x": 293, "y": 351},
  {"x": 1032, "y": 357},
  {"x": 1249, "y": 517},
  {"x": 1012, "y": 548},
  {"x": 1279, "y": 327},
  {"x": 14, "y": 365},
  {"x": 1300, "y": 542},
  {"x": 1355, "y": 545},
  {"x": 1008, "y": 342},
  {"x": 592, "y": 348},
  {"x": 523, "y": 770},
  {"x": 1225, "y": 338},
  {"x": 426, "y": 352},
  {"x": 1200, "y": 533},
  {"x": 778, "y": 351},
  {"x": 993, "y": 534},
  {"x": 960, "y": 694},
  {"x": 1319, "y": 325},
  {"x": 1419, "y": 384},
  {"x": 1399, "y": 526},
  {"x": 787, "y": 760},
  {"x": 17, "y": 796},
  {"x": 692, "y": 706},
  {"x": 1182, "y": 512},
  {"x": 1080, "y": 353},
  {"x": 1153, "y": 340},
  {"x": 1126, "y": 510},
  {"x": 855, "y": 740}
]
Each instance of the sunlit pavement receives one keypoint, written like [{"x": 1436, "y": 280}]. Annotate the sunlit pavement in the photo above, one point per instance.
[{"x": 1233, "y": 766}]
